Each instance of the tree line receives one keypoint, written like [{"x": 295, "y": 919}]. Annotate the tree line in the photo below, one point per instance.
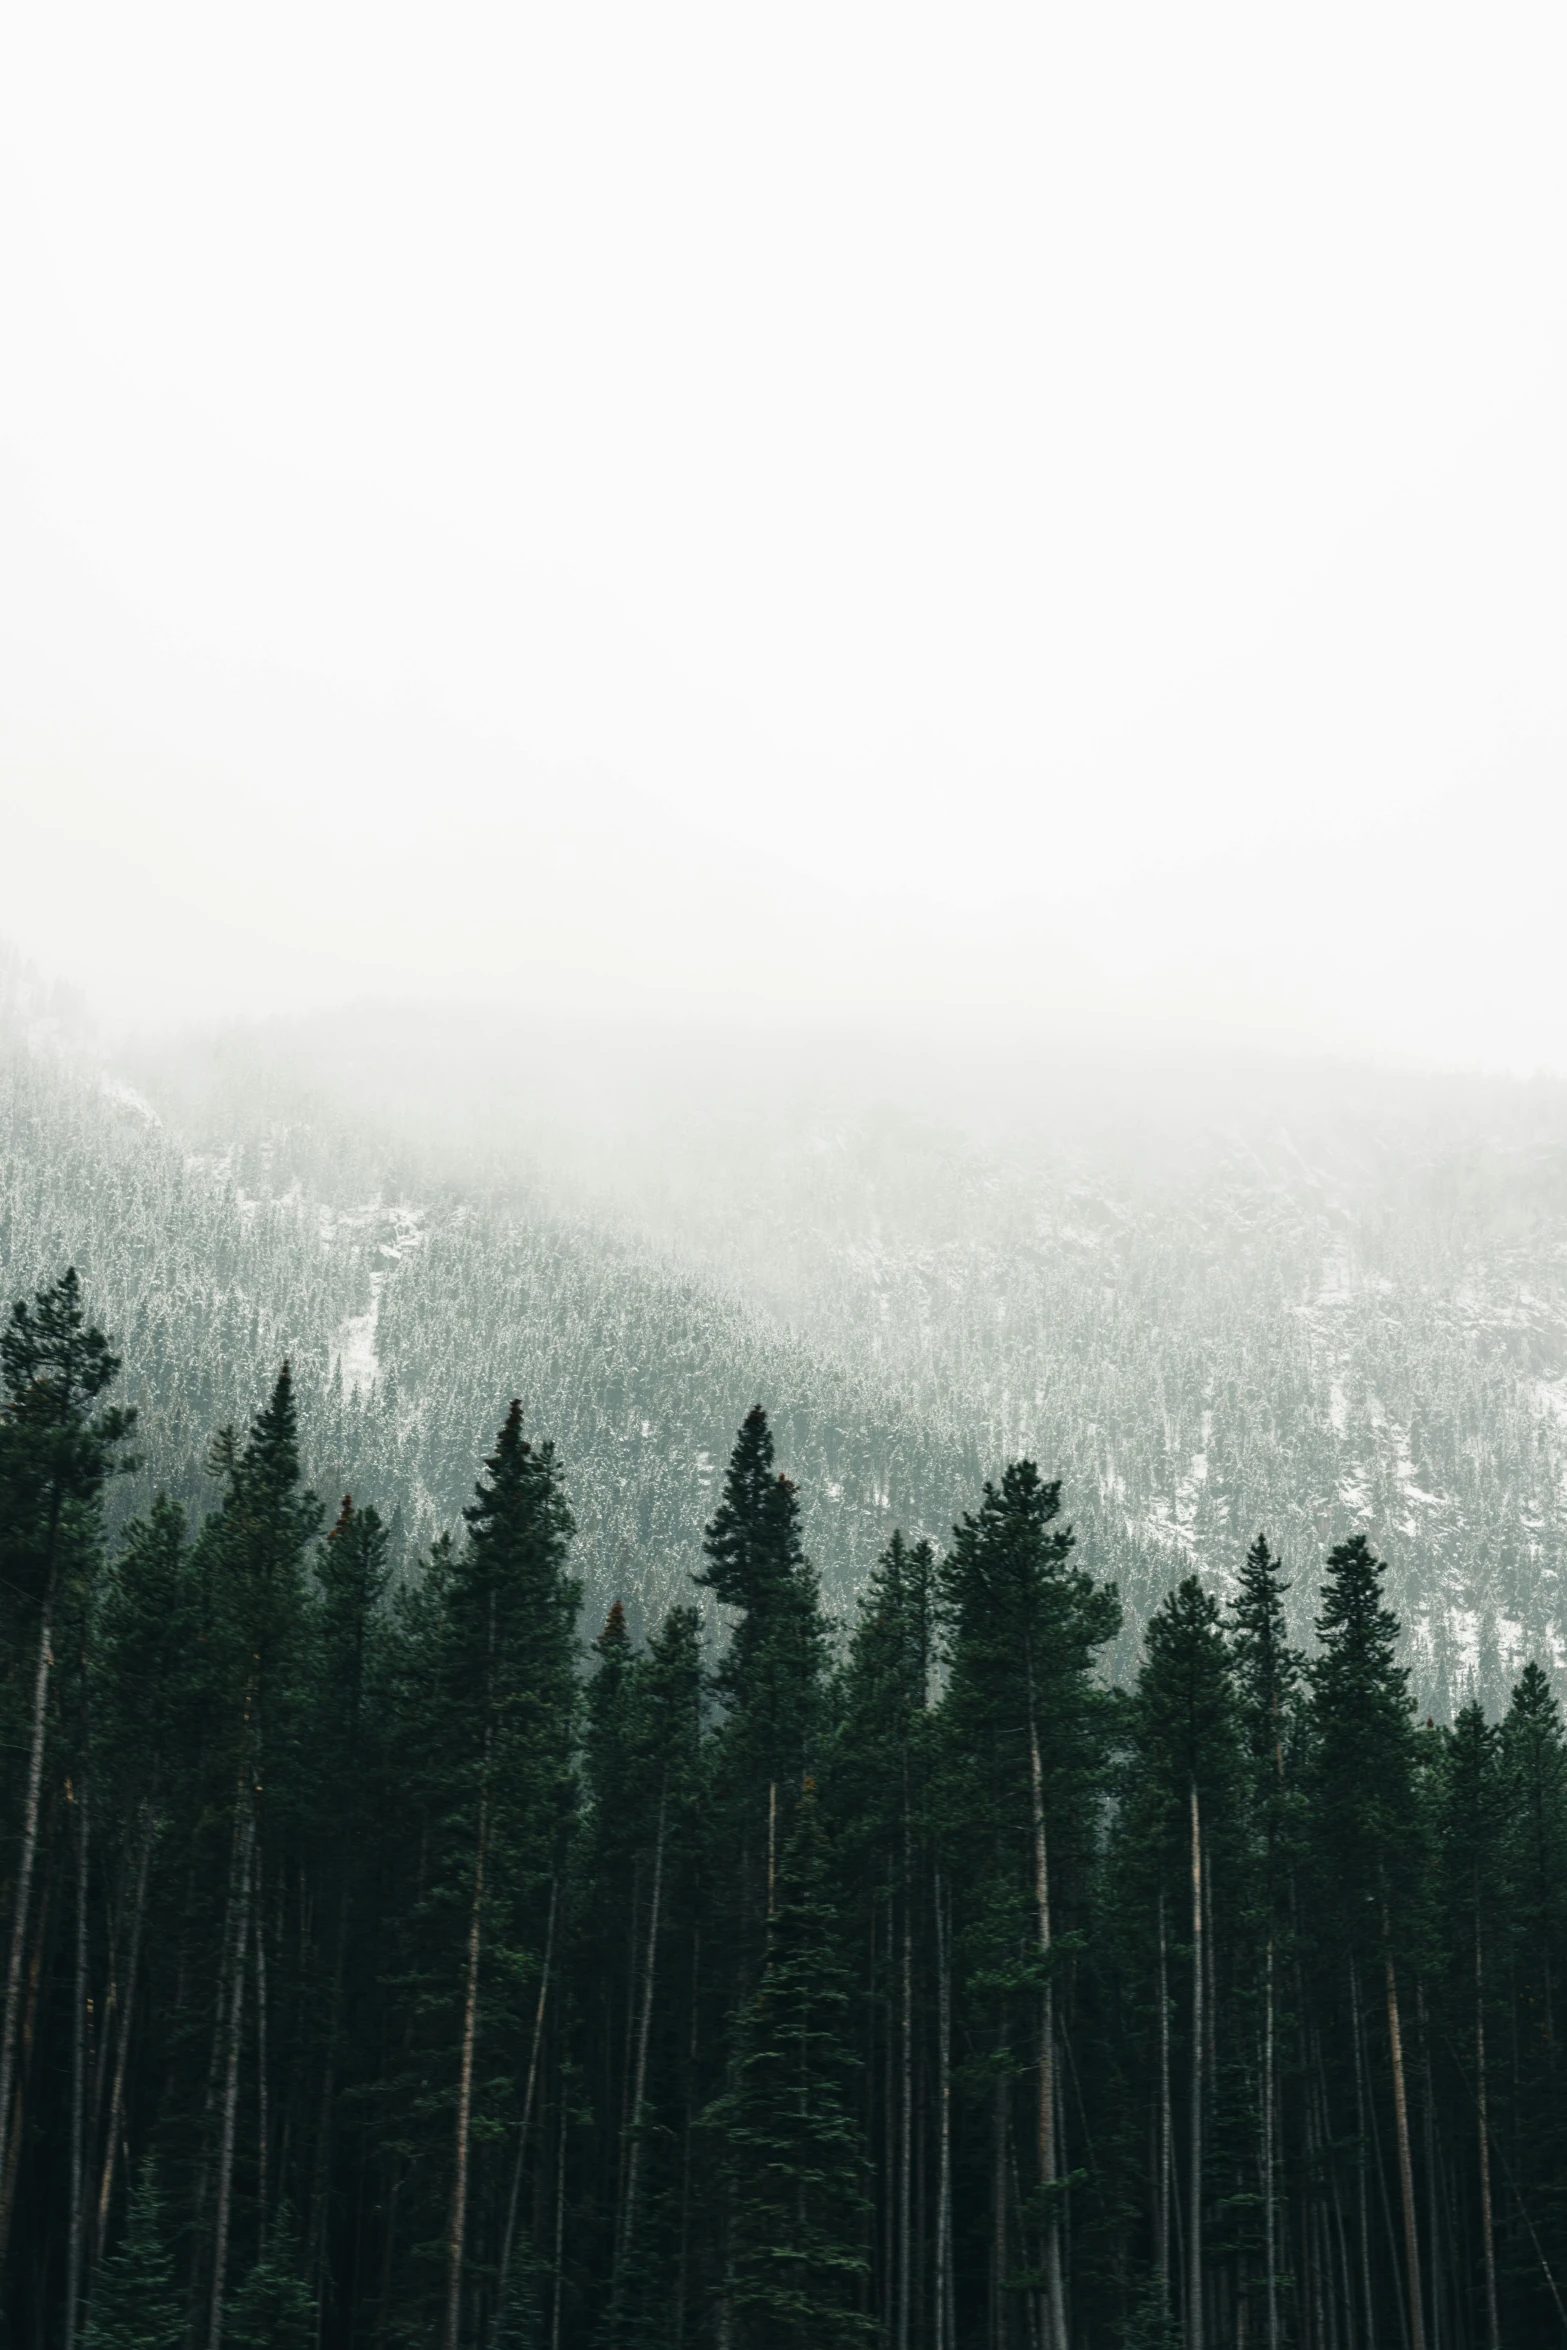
[{"x": 384, "y": 1963}]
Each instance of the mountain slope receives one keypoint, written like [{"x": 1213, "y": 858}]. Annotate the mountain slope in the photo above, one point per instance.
[{"x": 1310, "y": 1301}]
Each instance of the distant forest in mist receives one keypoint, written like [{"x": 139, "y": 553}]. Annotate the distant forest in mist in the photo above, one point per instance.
[{"x": 1207, "y": 1296}]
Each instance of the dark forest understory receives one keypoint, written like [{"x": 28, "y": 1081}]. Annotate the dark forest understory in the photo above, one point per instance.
[{"x": 393, "y": 1959}]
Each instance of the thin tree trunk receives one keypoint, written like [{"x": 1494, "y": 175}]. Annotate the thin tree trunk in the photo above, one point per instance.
[
  {"x": 998, "y": 2193},
  {"x": 73, "y": 2254},
  {"x": 1194, "y": 2294},
  {"x": 261, "y": 2067},
  {"x": 27, "y": 1861},
  {"x": 1487, "y": 2225},
  {"x": 683, "y": 2264},
  {"x": 1406, "y": 2167},
  {"x": 122, "y": 2048},
  {"x": 1166, "y": 2147},
  {"x": 1365, "y": 2143},
  {"x": 1055, "y": 2306},
  {"x": 772, "y": 1845},
  {"x": 321, "y": 2181},
  {"x": 1434, "y": 2312},
  {"x": 946, "y": 2333},
  {"x": 560, "y": 2220},
  {"x": 235, "y": 1956},
  {"x": 509, "y": 2238},
  {"x": 644, "y": 2029},
  {"x": 458, "y": 2227},
  {"x": 1270, "y": 2223},
  {"x": 906, "y": 2116}
]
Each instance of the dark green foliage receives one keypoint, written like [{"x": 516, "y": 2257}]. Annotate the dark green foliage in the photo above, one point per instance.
[
  {"x": 55, "y": 1452},
  {"x": 1363, "y": 1747},
  {"x": 273, "y": 2309},
  {"x": 793, "y": 2155},
  {"x": 771, "y": 1673},
  {"x": 134, "y": 2302}
]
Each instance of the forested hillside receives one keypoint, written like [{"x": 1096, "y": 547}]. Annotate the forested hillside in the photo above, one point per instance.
[
  {"x": 404, "y": 1317},
  {"x": 1320, "y": 1300}
]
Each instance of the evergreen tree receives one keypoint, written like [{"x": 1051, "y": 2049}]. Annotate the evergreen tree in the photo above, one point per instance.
[
  {"x": 146, "y": 1705},
  {"x": 250, "y": 1564},
  {"x": 352, "y": 1573},
  {"x": 273, "y": 2309},
  {"x": 879, "y": 1794},
  {"x": 771, "y": 1676},
  {"x": 794, "y": 2155},
  {"x": 1473, "y": 1805},
  {"x": 1025, "y": 1729},
  {"x": 492, "y": 1667},
  {"x": 56, "y": 1455},
  {"x": 1268, "y": 1674},
  {"x": 666, "y": 1735},
  {"x": 1182, "y": 1802},
  {"x": 134, "y": 2302},
  {"x": 1368, "y": 1841}
]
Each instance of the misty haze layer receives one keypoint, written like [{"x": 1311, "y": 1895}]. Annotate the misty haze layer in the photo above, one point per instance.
[{"x": 995, "y": 519}]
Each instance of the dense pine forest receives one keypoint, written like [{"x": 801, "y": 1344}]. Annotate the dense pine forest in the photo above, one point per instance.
[{"x": 393, "y": 1955}]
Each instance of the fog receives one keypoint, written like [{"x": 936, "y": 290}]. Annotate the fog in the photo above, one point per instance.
[{"x": 986, "y": 518}]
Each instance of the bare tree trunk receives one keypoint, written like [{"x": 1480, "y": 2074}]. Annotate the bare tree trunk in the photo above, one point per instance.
[
  {"x": 1194, "y": 2298},
  {"x": 261, "y": 2067},
  {"x": 1270, "y": 2224},
  {"x": 235, "y": 1958},
  {"x": 683, "y": 2264},
  {"x": 26, "y": 1862},
  {"x": 321, "y": 2179},
  {"x": 1433, "y": 2228},
  {"x": 1364, "y": 2135},
  {"x": 1406, "y": 2168},
  {"x": 123, "y": 2040},
  {"x": 644, "y": 2029},
  {"x": 1166, "y": 2148},
  {"x": 32, "y": 1986},
  {"x": 772, "y": 1845},
  {"x": 1055, "y": 2301},
  {"x": 560, "y": 2220},
  {"x": 509, "y": 2238},
  {"x": 1487, "y": 2225},
  {"x": 906, "y": 2115},
  {"x": 946, "y": 2333},
  {"x": 73, "y": 2253},
  {"x": 457, "y": 2230},
  {"x": 998, "y": 2195}
]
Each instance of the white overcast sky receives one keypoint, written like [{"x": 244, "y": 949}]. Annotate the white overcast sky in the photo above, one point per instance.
[{"x": 1020, "y": 515}]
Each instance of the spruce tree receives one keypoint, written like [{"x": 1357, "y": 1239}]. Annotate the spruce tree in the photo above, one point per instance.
[
  {"x": 496, "y": 1626},
  {"x": 1268, "y": 1673},
  {"x": 273, "y": 2309},
  {"x": 146, "y": 1705},
  {"x": 879, "y": 1794},
  {"x": 134, "y": 2303},
  {"x": 1473, "y": 1812},
  {"x": 1367, "y": 1825},
  {"x": 794, "y": 2154},
  {"x": 770, "y": 1679},
  {"x": 655, "y": 2214},
  {"x": 56, "y": 1455},
  {"x": 251, "y": 1561},
  {"x": 1025, "y": 1734},
  {"x": 1185, "y": 1783},
  {"x": 352, "y": 1573}
]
